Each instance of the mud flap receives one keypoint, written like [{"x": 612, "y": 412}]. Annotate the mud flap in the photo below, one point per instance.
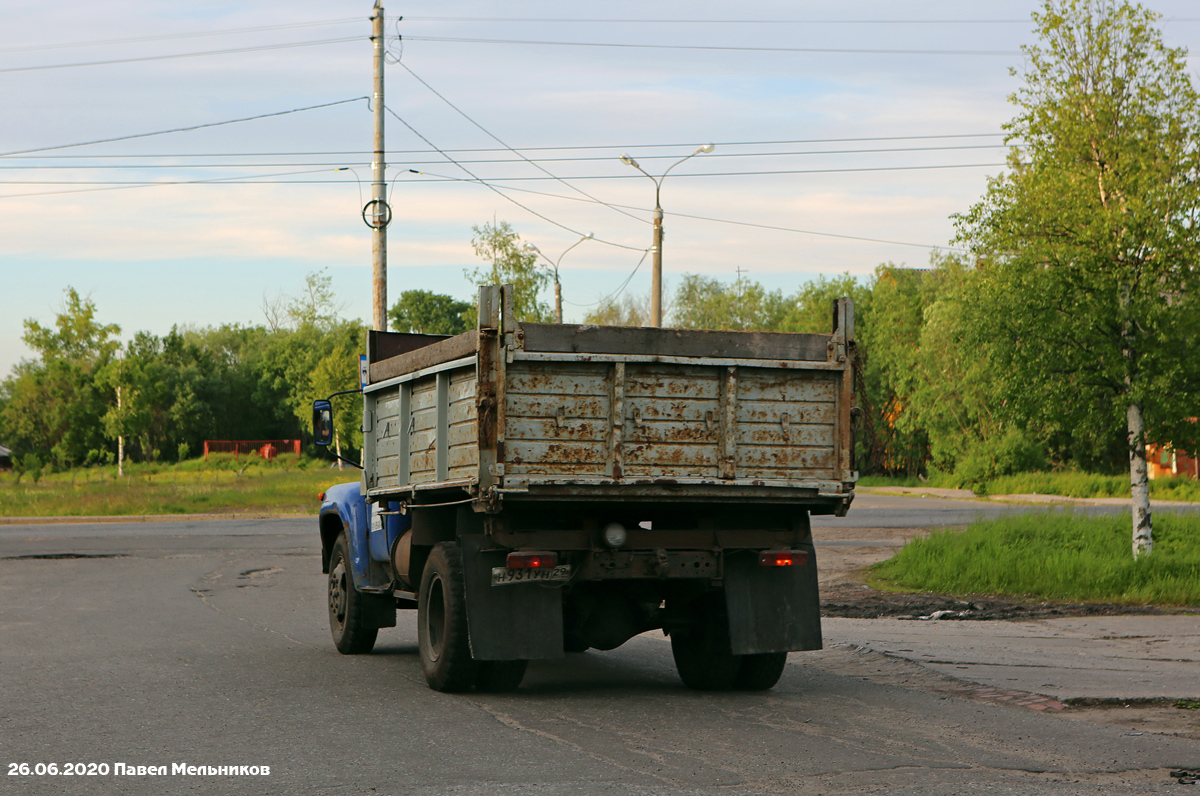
[
  {"x": 379, "y": 610},
  {"x": 522, "y": 621},
  {"x": 772, "y": 609}
]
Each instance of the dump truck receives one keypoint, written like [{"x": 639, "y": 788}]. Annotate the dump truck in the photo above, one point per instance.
[{"x": 534, "y": 489}]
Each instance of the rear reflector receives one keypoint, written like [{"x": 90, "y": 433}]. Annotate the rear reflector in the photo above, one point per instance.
[
  {"x": 783, "y": 558},
  {"x": 525, "y": 560}
]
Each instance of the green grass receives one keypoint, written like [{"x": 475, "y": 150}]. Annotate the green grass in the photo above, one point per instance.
[
  {"x": 1065, "y": 484},
  {"x": 221, "y": 485},
  {"x": 935, "y": 481},
  {"x": 1057, "y": 556}
]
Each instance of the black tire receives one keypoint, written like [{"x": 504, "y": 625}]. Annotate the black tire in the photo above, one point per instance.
[
  {"x": 351, "y": 636},
  {"x": 442, "y": 622},
  {"x": 760, "y": 672},
  {"x": 500, "y": 677},
  {"x": 702, "y": 652}
]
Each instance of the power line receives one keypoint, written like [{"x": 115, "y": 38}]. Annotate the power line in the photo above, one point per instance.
[
  {"x": 496, "y": 190},
  {"x": 183, "y": 129},
  {"x": 117, "y": 186},
  {"x": 171, "y": 56},
  {"x": 772, "y": 172},
  {"x": 170, "y": 36},
  {"x": 488, "y": 133},
  {"x": 497, "y": 180},
  {"x": 706, "y": 47},
  {"x": 490, "y": 161},
  {"x": 737, "y": 21},
  {"x": 718, "y": 220},
  {"x": 399, "y": 152},
  {"x": 620, "y": 289},
  {"x": 1025, "y": 21}
]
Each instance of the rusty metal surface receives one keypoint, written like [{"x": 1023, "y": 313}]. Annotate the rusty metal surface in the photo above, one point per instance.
[
  {"x": 660, "y": 563},
  {"x": 669, "y": 422},
  {"x": 541, "y": 424}
]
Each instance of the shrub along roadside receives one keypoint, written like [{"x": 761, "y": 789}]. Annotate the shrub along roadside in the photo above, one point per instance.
[{"x": 1053, "y": 556}]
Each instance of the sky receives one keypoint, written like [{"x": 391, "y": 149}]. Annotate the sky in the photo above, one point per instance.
[{"x": 846, "y": 135}]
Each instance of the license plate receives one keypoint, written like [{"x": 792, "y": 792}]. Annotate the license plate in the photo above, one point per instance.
[{"x": 503, "y": 576}]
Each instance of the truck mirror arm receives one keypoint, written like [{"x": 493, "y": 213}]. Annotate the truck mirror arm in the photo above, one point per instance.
[{"x": 323, "y": 424}]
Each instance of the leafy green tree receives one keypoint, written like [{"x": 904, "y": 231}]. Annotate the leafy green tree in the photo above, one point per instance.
[
  {"x": 425, "y": 312},
  {"x": 511, "y": 262},
  {"x": 52, "y": 404},
  {"x": 77, "y": 336},
  {"x": 952, "y": 395},
  {"x": 1090, "y": 295},
  {"x": 743, "y": 305},
  {"x": 810, "y": 309},
  {"x": 628, "y": 310}
]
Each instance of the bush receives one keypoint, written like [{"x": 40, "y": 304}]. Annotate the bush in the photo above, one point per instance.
[{"x": 1013, "y": 451}]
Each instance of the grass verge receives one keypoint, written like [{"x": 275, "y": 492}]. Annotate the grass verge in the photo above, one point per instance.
[
  {"x": 1056, "y": 556},
  {"x": 191, "y": 487}
]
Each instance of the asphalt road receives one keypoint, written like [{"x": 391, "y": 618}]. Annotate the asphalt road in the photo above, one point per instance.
[{"x": 206, "y": 644}]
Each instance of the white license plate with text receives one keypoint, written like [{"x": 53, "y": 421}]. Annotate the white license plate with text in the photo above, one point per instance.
[{"x": 502, "y": 576}]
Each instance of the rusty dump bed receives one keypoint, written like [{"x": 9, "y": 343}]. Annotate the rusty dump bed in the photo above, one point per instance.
[{"x": 563, "y": 412}]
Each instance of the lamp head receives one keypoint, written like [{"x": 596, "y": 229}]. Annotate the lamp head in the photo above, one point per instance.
[
  {"x": 628, "y": 161},
  {"x": 704, "y": 149}
]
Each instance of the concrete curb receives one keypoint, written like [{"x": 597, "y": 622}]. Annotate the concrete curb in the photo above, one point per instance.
[{"x": 152, "y": 518}]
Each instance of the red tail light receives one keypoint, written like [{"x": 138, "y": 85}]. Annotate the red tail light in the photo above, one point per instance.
[
  {"x": 526, "y": 560},
  {"x": 321, "y": 497},
  {"x": 783, "y": 558}
]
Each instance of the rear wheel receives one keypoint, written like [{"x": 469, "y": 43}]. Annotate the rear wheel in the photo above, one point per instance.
[
  {"x": 702, "y": 651},
  {"x": 761, "y": 671},
  {"x": 442, "y": 640},
  {"x": 347, "y": 611}
]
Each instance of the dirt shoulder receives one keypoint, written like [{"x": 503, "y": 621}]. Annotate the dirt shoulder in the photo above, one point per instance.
[{"x": 843, "y": 555}]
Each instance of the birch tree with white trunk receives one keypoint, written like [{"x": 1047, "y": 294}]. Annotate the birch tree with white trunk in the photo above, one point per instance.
[{"x": 1088, "y": 245}]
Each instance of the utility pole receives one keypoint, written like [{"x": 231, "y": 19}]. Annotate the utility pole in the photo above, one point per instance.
[
  {"x": 558, "y": 317},
  {"x": 656, "y": 286},
  {"x": 380, "y": 214}
]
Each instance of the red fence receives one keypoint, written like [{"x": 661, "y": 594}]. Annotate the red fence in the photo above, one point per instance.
[{"x": 266, "y": 448}]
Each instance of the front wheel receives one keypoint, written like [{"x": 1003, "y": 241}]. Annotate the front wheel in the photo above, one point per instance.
[
  {"x": 442, "y": 622},
  {"x": 347, "y": 611}
]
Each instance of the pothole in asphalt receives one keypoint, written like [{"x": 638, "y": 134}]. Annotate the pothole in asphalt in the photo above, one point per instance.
[{"x": 257, "y": 577}]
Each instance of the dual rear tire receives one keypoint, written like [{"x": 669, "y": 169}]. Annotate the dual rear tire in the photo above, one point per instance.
[
  {"x": 442, "y": 639},
  {"x": 705, "y": 660}
]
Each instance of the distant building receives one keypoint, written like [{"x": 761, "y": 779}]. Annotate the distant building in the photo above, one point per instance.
[
  {"x": 1167, "y": 462},
  {"x": 5, "y": 458}
]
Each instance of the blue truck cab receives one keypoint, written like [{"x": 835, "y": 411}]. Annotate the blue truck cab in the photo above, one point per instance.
[{"x": 371, "y": 531}]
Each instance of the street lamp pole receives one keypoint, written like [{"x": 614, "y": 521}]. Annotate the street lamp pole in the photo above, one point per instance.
[
  {"x": 656, "y": 278},
  {"x": 558, "y": 285}
]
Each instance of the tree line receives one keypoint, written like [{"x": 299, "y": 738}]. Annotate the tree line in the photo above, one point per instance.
[{"x": 1063, "y": 331}]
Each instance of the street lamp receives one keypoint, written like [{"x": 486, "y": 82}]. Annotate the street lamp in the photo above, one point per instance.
[
  {"x": 656, "y": 287},
  {"x": 557, "y": 284}
]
